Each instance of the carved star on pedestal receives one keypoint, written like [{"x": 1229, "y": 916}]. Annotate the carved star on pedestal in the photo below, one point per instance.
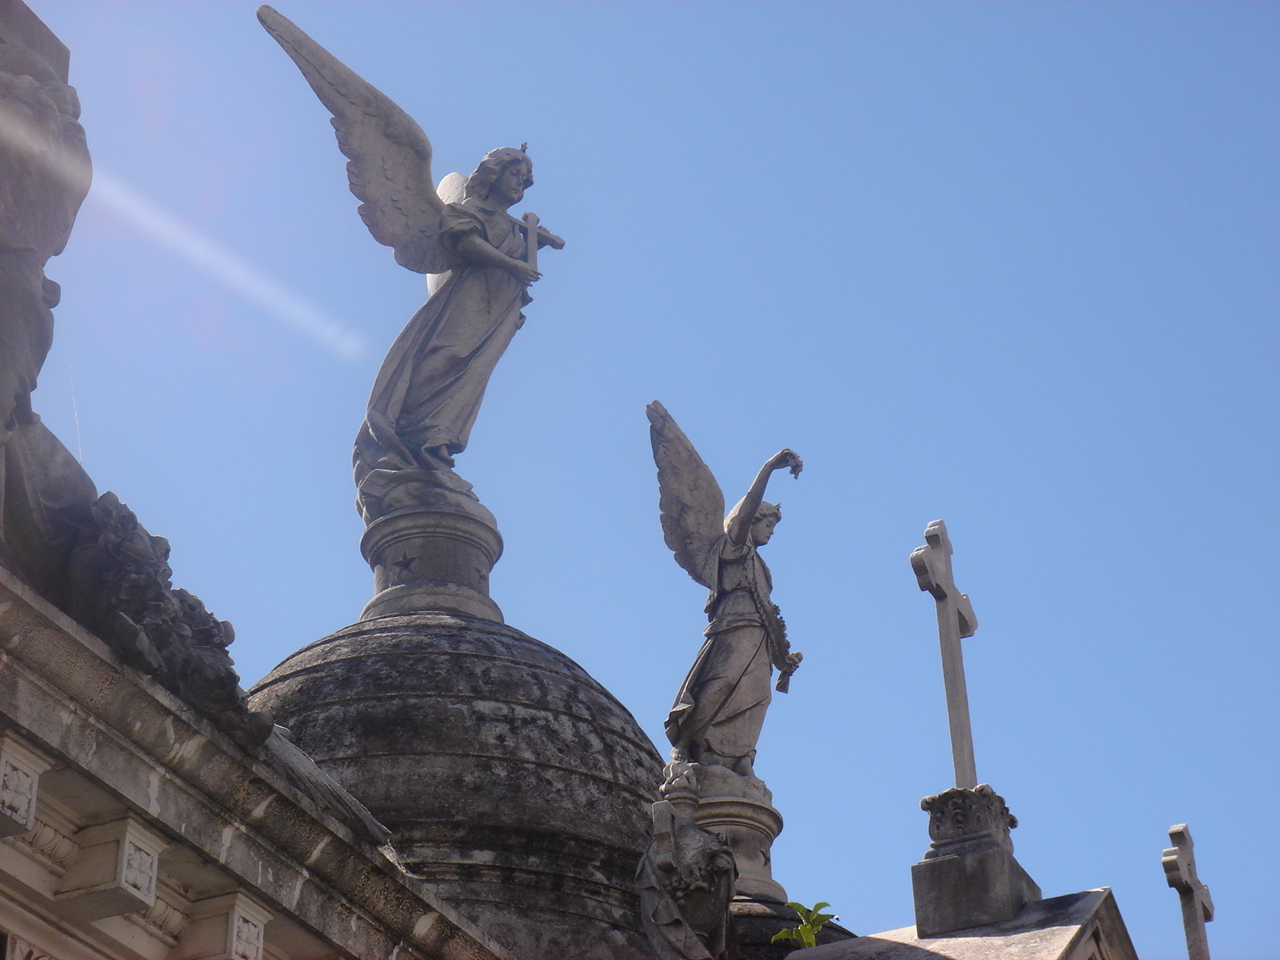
[{"x": 404, "y": 563}]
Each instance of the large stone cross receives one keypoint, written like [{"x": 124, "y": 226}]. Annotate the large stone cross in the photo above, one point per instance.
[
  {"x": 932, "y": 566},
  {"x": 1197, "y": 906}
]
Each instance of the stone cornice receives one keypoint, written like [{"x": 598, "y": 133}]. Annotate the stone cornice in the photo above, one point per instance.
[{"x": 62, "y": 689}]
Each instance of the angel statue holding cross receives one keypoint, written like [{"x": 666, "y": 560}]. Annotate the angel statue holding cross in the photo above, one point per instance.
[
  {"x": 482, "y": 260},
  {"x": 718, "y": 714}
]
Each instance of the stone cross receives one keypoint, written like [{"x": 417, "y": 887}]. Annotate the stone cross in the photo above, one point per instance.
[
  {"x": 531, "y": 239},
  {"x": 932, "y": 566},
  {"x": 1197, "y": 906}
]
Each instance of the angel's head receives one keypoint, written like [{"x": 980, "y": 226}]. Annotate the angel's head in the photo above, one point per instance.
[
  {"x": 504, "y": 174},
  {"x": 767, "y": 517}
]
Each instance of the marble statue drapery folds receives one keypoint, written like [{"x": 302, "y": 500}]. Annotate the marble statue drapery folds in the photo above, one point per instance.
[
  {"x": 431, "y": 384},
  {"x": 723, "y": 699},
  {"x": 718, "y": 713},
  {"x": 434, "y": 377}
]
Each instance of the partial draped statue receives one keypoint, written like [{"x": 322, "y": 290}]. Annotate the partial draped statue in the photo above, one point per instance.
[
  {"x": 720, "y": 709},
  {"x": 482, "y": 261}
]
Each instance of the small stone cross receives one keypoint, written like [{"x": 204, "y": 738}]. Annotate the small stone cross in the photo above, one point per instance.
[
  {"x": 1197, "y": 906},
  {"x": 932, "y": 566},
  {"x": 531, "y": 239}
]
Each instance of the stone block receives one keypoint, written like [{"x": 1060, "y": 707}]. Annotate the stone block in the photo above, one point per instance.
[
  {"x": 229, "y": 927},
  {"x": 115, "y": 872},
  {"x": 20, "y": 769},
  {"x": 972, "y": 889},
  {"x": 969, "y": 877}
]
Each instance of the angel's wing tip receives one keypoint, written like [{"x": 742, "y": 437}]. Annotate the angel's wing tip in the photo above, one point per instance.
[{"x": 655, "y": 410}]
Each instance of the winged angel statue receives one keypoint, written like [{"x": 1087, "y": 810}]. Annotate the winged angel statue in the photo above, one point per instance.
[
  {"x": 482, "y": 259},
  {"x": 718, "y": 713}
]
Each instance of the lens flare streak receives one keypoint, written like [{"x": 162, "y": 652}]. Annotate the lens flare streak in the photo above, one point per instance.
[{"x": 224, "y": 265}]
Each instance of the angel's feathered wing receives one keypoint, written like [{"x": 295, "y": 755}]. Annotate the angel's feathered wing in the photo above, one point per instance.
[
  {"x": 691, "y": 501},
  {"x": 390, "y": 156}
]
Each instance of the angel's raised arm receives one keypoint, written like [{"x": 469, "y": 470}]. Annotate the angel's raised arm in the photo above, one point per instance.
[
  {"x": 389, "y": 156},
  {"x": 745, "y": 513},
  {"x": 691, "y": 501}
]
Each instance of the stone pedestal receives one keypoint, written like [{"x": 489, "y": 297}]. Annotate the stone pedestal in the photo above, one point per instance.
[
  {"x": 436, "y": 557},
  {"x": 741, "y": 808},
  {"x": 969, "y": 877}
]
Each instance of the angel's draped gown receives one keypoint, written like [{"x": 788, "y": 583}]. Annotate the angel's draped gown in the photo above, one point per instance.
[
  {"x": 431, "y": 384},
  {"x": 722, "y": 702}
]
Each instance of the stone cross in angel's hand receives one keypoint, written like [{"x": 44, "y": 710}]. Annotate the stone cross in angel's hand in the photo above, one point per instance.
[
  {"x": 932, "y": 566},
  {"x": 1197, "y": 906}
]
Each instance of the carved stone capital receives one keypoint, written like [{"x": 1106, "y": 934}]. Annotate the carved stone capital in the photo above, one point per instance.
[
  {"x": 20, "y": 769},
  {"x": 115, "y": 873},
  {"x": 967, "y": 816},
  {"x": 968, "y": 877}
]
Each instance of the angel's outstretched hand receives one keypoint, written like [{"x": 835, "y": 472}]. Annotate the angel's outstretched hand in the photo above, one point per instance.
[{"x": 789, "y": 459}]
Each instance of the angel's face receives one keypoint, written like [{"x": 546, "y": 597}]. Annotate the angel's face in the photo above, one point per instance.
[
  {"x": 762, "y": 529},
  {"x": 510, "y": 185}
]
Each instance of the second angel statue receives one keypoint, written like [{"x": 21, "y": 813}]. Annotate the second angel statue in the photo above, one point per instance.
[{"x": 719, "y": 711}]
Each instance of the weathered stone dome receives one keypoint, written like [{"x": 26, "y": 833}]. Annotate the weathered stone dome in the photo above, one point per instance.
[{"x": 510, "y": 778}]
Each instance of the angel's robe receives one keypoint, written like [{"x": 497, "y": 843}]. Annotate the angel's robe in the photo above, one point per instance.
[
  {"x": 722, "y": 702},
  {"x": 430, "y": 386}
]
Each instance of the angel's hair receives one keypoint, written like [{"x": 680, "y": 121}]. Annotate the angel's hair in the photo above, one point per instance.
[
  {"x": 766, "y": 509},
  {"x": 491, "y": 167}
]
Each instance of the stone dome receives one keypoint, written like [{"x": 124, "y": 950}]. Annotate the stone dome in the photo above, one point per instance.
[{"x": 511, "y": 780}]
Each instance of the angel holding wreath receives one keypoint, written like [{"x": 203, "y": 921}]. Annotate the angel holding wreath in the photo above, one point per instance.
[{"x": 719, "y": 712}]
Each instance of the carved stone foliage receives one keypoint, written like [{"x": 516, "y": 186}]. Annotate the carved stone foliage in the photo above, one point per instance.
[
  {"x": 20, "y": 769},
  {"x": 122, "y": 591},
  {"x": 19, "y": 949},
  {"x": 962, "y": 814},
  {"x": 686, "y": 877},
  {"x": 968, "y": 877}
]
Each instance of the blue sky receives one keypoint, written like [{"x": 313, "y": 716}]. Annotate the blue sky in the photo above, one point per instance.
[{"x": 1009, "y": 264}]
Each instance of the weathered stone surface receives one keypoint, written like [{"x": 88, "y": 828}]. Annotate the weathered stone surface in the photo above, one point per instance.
[
  {"x": 956, "y": 620},
  {"x": 44, "y": 176},
  {"x": 1179, "y": 862},
  {"x": 1080, "y": 926},
  {"x": 117, "y": 744},
  {"x": 121, "y": 589},
  {"x": 511, "y": 780},
  {"x": 687, "y": 876},
  {"x": 968, "y": 877}
]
